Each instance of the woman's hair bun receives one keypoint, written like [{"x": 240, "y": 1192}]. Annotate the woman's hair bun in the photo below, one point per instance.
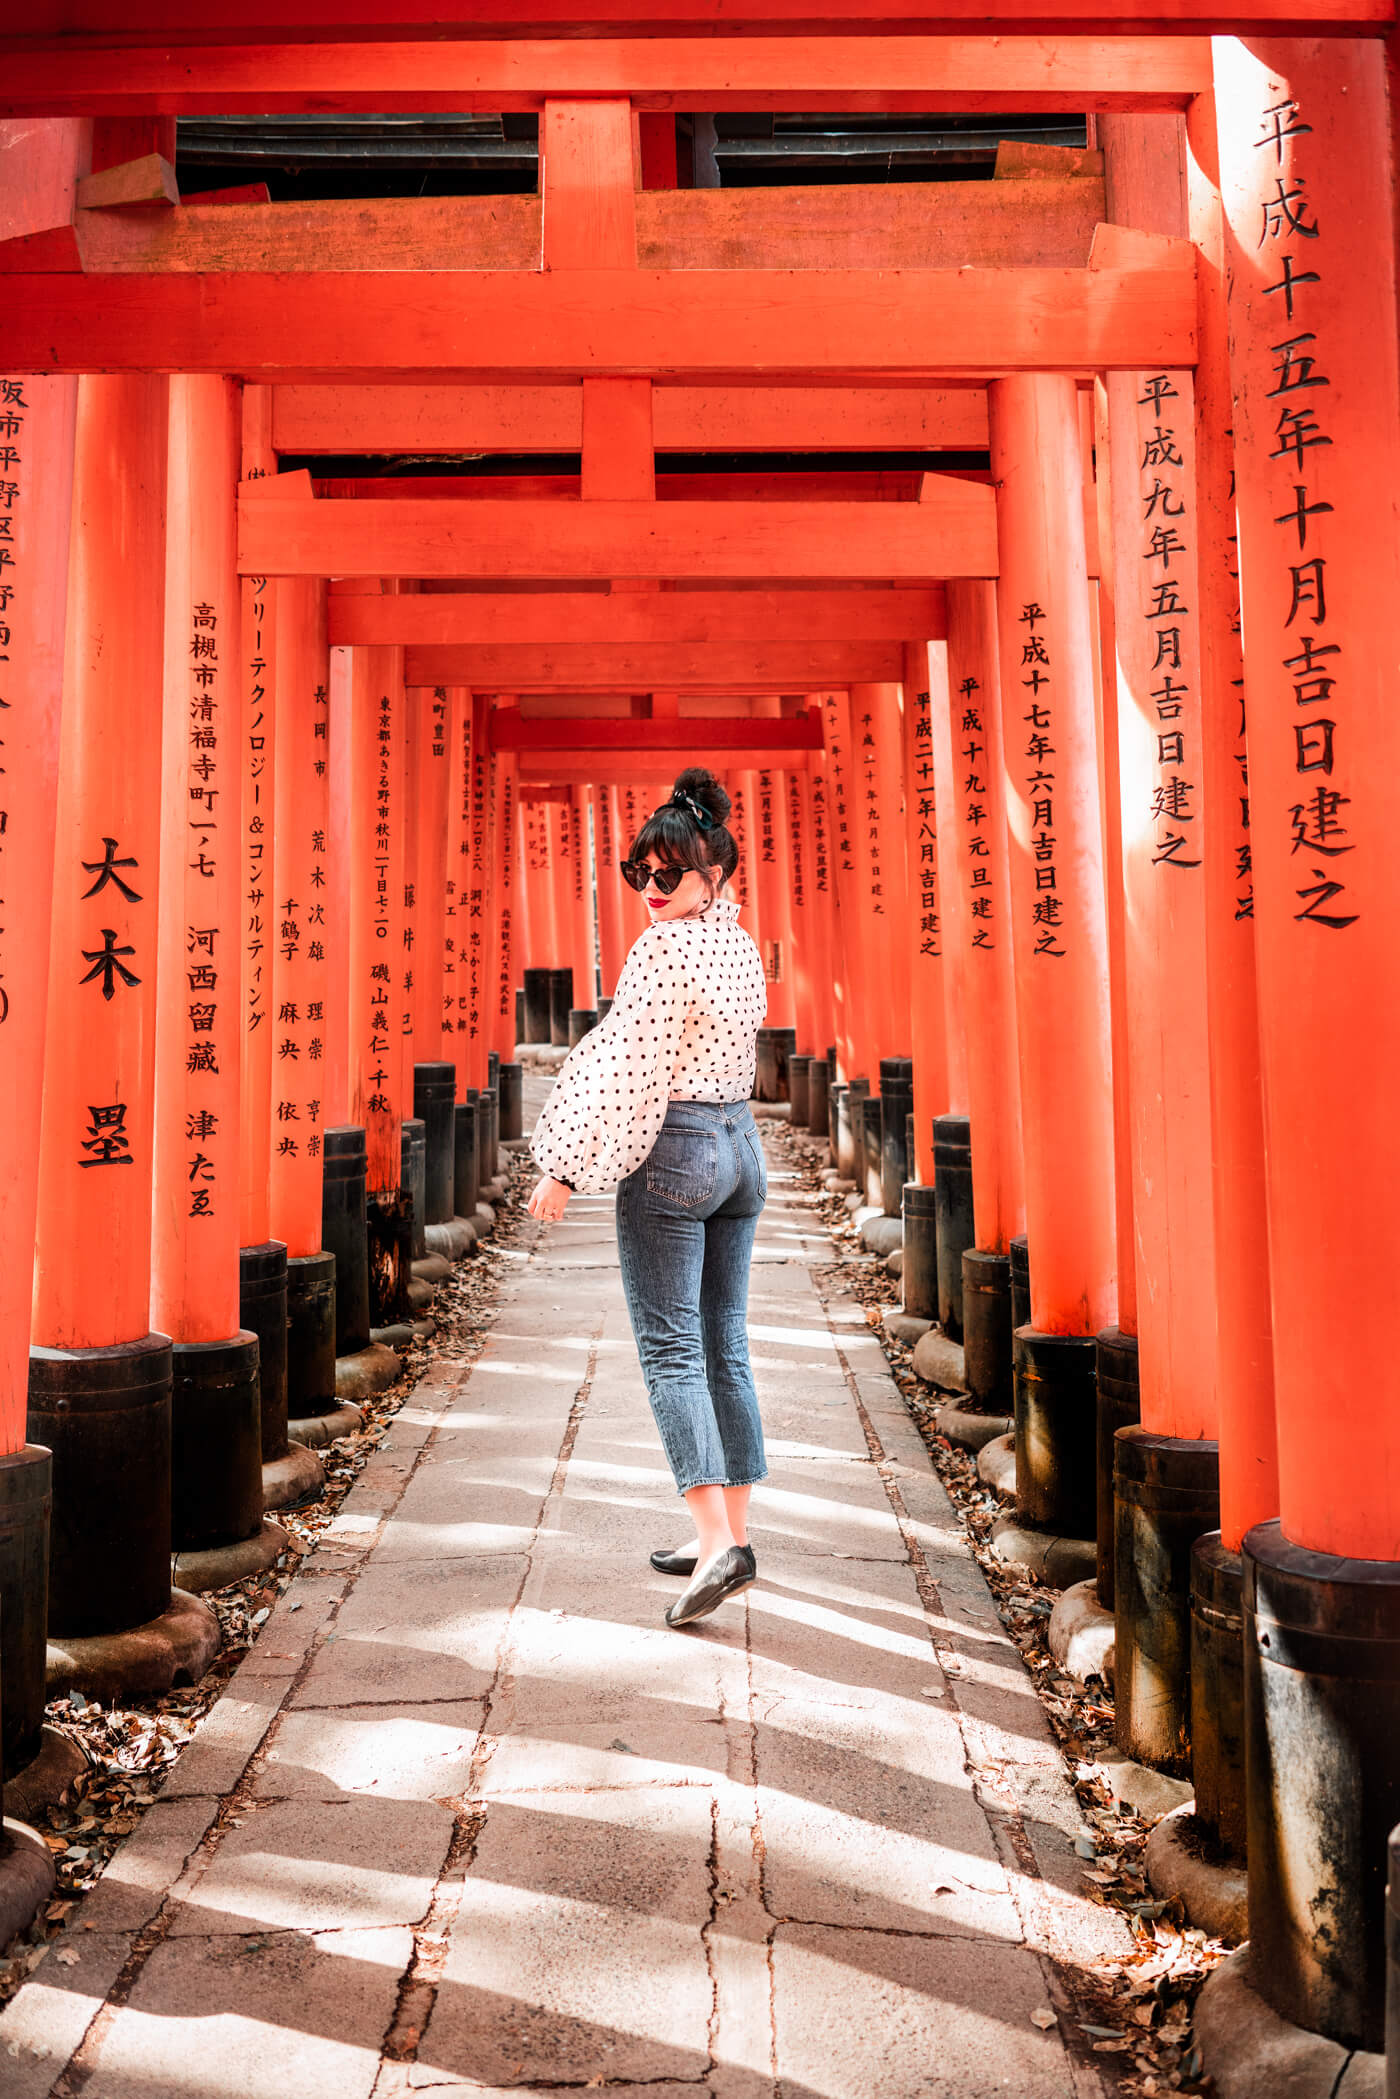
[{"x": 704, "y": 788}]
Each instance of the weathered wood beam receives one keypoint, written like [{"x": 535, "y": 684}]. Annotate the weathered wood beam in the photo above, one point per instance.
[
  {"x": 512, "y": 731},
  {"x": 951, "y": 534},
  {"x": 1033, "y": 222},
  {"x": 780, "y": 666},
  {"x": 774, "y": 323},
  {"x": 720, "y": 73},
  {"x": 635, "y": 620},
  {"x": 601, "y": 769},
  {"x": 312, "y": 20},
  {"x": 545, "y": 418},
  {"x": 833, "y": 485}
]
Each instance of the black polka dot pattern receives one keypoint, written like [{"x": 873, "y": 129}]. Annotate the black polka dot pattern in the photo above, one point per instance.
[{"x": 688, "y": 1007}]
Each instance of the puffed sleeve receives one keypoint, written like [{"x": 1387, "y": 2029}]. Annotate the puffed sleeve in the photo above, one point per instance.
[{"x": 609, "y": 1100}]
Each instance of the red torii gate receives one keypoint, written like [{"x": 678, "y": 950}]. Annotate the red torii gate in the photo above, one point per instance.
[{"x": 1145, "y": 305}]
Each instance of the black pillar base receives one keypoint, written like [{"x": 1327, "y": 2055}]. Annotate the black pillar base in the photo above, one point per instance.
[
  {"x": 215, "y": 1443},
  {"x": 344, "y": 1233},
  {"x": 850, "y": 1128},
  {"x": 434, "y": 1097},
  {"x": 1217, "y": 1691},
  {"x": 837, "y": 1118},
  {"x": 873, "y": 1127},
  {"x": 389, "y": 1220},
  {"x": 818, "y": 1089},
  {"x": 952, "y": 1180},
  {"x": 485, "y": 1141},
  {"x": 520, "y": 1034},
  {"x": 896, "y": 1107},
  {"x": 798, "y": 1068},
  {"x": 105, "y": 1415},
  {"x": 1166, "y": 1494},
  {"x": 582, "y": 1021},
  {"x": 538, "y": 1006},
  {"x": 413, "y": 1175},
  {"x": 510, "y": 1107},
  {"x": 561, "y": 999},
  {"x": 765, "y": 1070},
  {"x": 26, "y": 1504},
  {"x": 605, "y": 1006},
  {"x": 1119, "y": 1406},
  {"x": 466, "y": 1189},
  {"x": 1055, "y": 1427},
  {"x": 262, "y": 1310},
  {"x": 1322, "y": 1720},
  {"x": 987, "y": 1330},
  {"x": 311, "y": 1335},
  {"x": 919, "y": 1273},
  {"x": 1019, "y": 1250}
]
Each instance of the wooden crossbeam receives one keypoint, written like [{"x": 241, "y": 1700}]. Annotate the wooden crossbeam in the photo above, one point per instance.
[
  {"x": 842, "y": 324},
  {"x": 544, "y": 418},
  {"x": 1042, "y": 221},
  {"x": 791, "y": 666},
  {"x": 719, "y": 73},
  {"x": 833, "y": 485},
  {"x": 512, "y": 731},
  {"x": 631, "y": 620},
  {"x": 952, "y": 533},
  {"x": 296, "y": 20},
  {"x": 602, "y": 769}
]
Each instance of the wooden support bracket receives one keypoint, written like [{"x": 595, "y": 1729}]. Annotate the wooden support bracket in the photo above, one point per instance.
[{"x": 149, "y": 180}]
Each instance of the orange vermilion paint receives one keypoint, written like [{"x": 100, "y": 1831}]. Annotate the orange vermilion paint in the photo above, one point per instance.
[
  {"x": 1248, "y": 1433},
  {"x": 877, "y": 741},
  {"x": 375, "y": 887},
  {"x": 989, "y": 984},
  {"x": 40, "y": 165},
  {"x": 305, "y": 917},
  {"x": 926, "y": 939},
  {"x": 503, "y": 943},
  {"x": 258, "y": 615},
  {"x": 428, "y": 844},
  {"x": 195, "y": 1209},
  {"x": 1057, "y": 897},
  {"x": 1307, "y": 180},
  {"x": 97, "y": 1138},
  {"x": 612, "y": 940}
]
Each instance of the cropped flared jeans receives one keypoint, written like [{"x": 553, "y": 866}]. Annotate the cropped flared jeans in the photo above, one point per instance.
[{"x": 686, "y": 1221}]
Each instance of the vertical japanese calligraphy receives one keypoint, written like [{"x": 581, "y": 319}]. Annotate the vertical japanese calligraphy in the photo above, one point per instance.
[{"x": 1037, "y": 751}]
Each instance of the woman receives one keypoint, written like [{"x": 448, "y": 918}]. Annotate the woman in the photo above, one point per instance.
[{"x": 656, "y": 1098}]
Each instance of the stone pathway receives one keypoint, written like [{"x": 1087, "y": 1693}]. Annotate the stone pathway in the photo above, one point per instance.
[{"x": 471, "y": 1819}]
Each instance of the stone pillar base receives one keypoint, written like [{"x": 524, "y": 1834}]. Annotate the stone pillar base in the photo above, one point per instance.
[
  {"x": 292, "y": 1481},
  {"x": 145, "y": 1661},
  {"x": 317, "y": 1430},
  {"x": 215, "y": 1566},
  {"x": 26, "y": 1878}
]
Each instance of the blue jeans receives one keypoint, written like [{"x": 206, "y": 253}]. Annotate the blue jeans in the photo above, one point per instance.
[{"x": 685, "y": 1229}]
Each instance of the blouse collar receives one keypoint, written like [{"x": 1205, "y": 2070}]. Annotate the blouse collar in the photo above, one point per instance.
[{"x": 724, "y": 906}]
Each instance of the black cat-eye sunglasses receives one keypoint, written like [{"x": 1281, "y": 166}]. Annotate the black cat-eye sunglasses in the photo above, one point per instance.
[{"x": 638, "y": 874}]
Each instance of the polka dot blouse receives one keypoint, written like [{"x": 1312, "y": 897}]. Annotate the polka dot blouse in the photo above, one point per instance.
[{"x": 689, "y": 1004}]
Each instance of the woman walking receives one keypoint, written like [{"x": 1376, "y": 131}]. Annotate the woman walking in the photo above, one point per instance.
[{"x": 656, "y": 1099}]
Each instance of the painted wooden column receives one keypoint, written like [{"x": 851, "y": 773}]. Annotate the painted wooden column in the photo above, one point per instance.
[
  {"x": 827, "y": 963},
  {"x": 1308, "y": 182},
  {"x": 1059, "y": 940},
  {"x": 262, "y": 1260},
  {"x": 1166, "y": 1469},
  {"x": 305, "y": 916},
  {"x": 926, "y": 953},
  {"x": 39, "y": 167},
  {"x": 456, "y": 1035},
  {"x": 524, "y": 936},
  {"x": 376, "y": 937},
  {"x": 876, "y": 713},
  {"x": 434, "y": 1078},
  {"x": 612, "y": 940},
  {"x": 99, "y": 1391},
  {"x": 1247, "y": 1435},
  {"x": 582, "y": 926},
  {"x": 775, "y": 896},
  {"x": 858, "y": 1051},
  {"x": 505, "y": 951},
  {"x": 952, "y": 1130},
  {"x": 636, "y": 805},
  {"x": 797, "y": 834},
  {"x": 1119, "y": 1404},
  {"x": 480, "y": 943},
  {"x": 216, "y": 1428},
  {"x": 743, "y": 821},
  {"x": 981, "y": 870}
]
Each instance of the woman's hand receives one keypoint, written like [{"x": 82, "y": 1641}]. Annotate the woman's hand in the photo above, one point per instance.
[{"x": 550, "y": 1199}]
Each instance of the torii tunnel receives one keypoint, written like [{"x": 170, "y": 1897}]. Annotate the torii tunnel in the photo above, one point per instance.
[{"x": 1023, "y": 554}]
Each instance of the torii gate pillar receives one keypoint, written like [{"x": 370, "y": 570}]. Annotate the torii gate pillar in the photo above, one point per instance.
[{"x": 1308, "y": 180}]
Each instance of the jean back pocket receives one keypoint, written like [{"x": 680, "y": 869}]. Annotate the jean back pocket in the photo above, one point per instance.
[{"x": 683, "y": 1166}]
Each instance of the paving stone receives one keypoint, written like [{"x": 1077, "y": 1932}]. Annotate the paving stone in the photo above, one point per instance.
[
  {"x": 577, "y": 1952},
  {"x": 940, "y": 2018},
  {"x": 404, "y": 1635},
  {"x": 286, "y": 2013},
  {"x": 311, "y": 1865},
  {"x": 147, "y": 1865},
  {"x": 490, "y": 1502},
  {"x": 384, "y": 1752}
]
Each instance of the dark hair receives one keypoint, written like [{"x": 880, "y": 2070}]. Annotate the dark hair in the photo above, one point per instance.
[{"x": 673, "y": 835}]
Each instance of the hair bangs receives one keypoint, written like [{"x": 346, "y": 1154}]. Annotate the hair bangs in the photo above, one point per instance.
[{"x": 674, "y": 838}]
